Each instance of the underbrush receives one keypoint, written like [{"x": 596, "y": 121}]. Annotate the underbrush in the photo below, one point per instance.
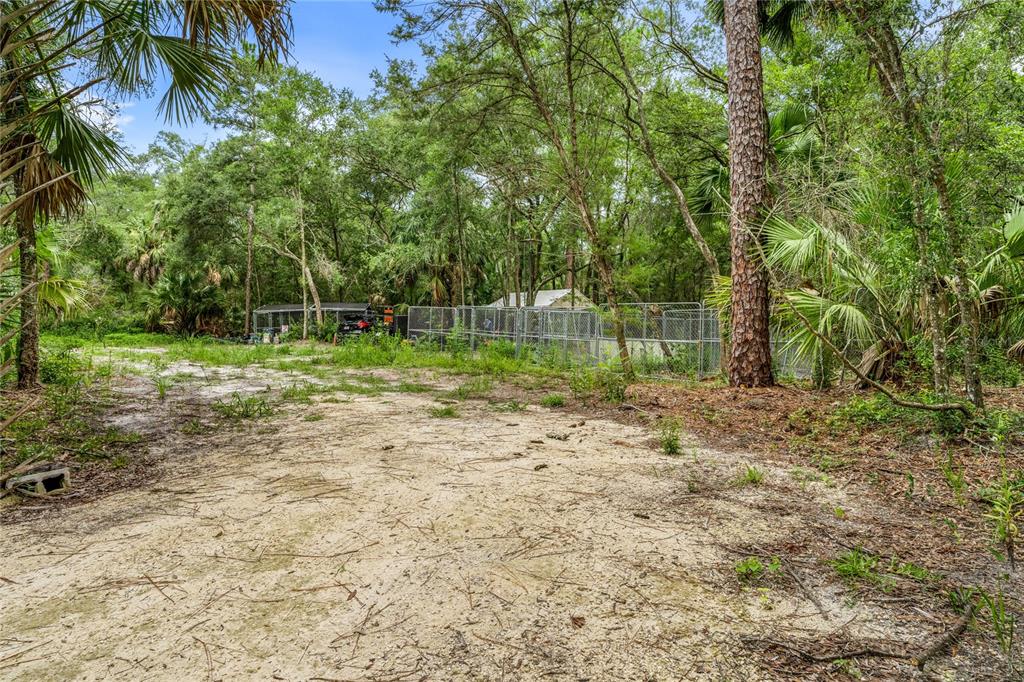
[{"x": 62, "y": 423}]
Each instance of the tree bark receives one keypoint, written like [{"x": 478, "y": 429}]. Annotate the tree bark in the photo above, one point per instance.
[
  {"x": 750, "y": 362},
  {"x": 28, "y": 338},
  {"x": 250, "y": 222}
]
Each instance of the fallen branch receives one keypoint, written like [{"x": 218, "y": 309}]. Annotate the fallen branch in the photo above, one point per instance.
[
  {"x": 20, "y": 411},
  {"x": 947, "y": 639},
  {"x": 936, "y": 648}
]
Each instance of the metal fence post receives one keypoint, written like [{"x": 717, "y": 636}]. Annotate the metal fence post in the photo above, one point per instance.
[{"x": 700, "y": 342}]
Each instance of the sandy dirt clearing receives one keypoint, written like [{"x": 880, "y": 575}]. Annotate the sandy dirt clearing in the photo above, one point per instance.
[{"x": 361, "y": 538}]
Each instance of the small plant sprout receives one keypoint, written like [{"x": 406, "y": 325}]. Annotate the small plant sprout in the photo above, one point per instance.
[
  {"x": 163, "y": 384},
  {"x": 1007, "y": 508},
  {"x": 751, "y": 476},
  {"x": 444, "y": 412},
  {"x": 752, "y": 569},
  {"x": 669, "y": 437}
]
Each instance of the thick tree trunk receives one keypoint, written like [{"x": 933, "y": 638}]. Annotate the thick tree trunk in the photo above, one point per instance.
[
  {"x": 750, "y": 362},
  {"x": 28, "y": 338}
]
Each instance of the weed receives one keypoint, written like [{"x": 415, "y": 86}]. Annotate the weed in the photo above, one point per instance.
[
  {"x": 444, "y": 412},
  {"x": 62, "y": 368},
  {"x": 839, "y": 513},
  {"x": 669, "y": 437},
  {"x": 312, "y": 418},
  {"x": 612, "y": 384},
  {"x": 1004, "y": 624},
  {"x": 955, "y": 478},
  {"x": 510, "y": 406},
  {"x": 119, "y": 462},
  {"x": 300, "y": 393},
  {"x": 193, "y": 427},
  {"x": 553, "y": 400},
  {"x": 751, "y": 476},
  {"x": 162, "y": 383},
  {"x": 1007, "y": 501},
  {"x": 476, "y": 387},
  {"x": 751, "y": 568},
  {"x": 249, "y": 407},
  {"x": 908, "y": 569},
  {"x": 857, "y": 565},
  {"x": 409, "y": 387},
  {"x": 848, "y": 668}
]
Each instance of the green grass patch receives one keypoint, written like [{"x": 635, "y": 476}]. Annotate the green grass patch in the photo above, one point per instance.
[
  {"x": 553, "y": 400},
  {"x": 244, "y": 407},
  {"x": 443, "y": 412}
]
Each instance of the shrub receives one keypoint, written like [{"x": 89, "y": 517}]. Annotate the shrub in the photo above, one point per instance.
[
  {"x": 669, "y": 437},
  {"x": 62, "y": 368}
]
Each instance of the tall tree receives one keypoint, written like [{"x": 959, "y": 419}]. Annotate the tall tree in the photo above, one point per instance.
[
  {"x": 750, "y": 355},
  {"x": 124, "y": 46}
]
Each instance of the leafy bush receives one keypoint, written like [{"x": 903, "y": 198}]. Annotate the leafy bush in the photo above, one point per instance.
[
  {"x": 669, "y": 437},
  {"x": 62, "y": 368}
]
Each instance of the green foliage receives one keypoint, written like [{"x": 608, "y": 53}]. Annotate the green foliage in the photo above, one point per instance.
[
  {"x": 443, "y": 412},
  {"x": 244, "y": 407},
  {"x": 477, "y": 387},
  {"x": 752, "y": 569},
  {"x": 553, "y": 400},
  {"x": 1007, "y": 508},
  {"x": 61, "y": 368},
  {"x": 162, "y": 384},
  {"x": 857, "y": 565},
  {"x": 751, "y": 476},
  {"x": 669, "y": 436}
]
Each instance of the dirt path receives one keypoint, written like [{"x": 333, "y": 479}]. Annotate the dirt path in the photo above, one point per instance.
[{"x": 369, "y": 540}]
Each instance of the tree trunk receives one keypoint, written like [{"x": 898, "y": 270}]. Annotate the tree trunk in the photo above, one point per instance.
[
  {"x": 567, "y": 157},
  {"x": 28, "y": 338},
  {"x": 250, "y": 221},
  {"x": 302, "y": 266},
  {"x": 634, "y": 93},
  {"x": 873, "y": 26},
  {"x": 750, "y": 356}
]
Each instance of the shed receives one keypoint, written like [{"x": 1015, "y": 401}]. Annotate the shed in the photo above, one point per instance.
[{"x": 546, "y": 298}]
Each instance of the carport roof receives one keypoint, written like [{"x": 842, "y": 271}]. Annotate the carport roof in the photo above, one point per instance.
[{"x": 327, "y": 307}]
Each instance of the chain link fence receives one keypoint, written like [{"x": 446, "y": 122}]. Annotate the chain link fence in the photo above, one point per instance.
[{"x": 681, "y": 338}]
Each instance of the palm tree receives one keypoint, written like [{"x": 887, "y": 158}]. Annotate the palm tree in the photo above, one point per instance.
[{"x": 52, "y": 150}]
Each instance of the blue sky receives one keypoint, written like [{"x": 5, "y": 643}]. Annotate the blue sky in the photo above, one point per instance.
[{"x": 341, "y": 41}]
